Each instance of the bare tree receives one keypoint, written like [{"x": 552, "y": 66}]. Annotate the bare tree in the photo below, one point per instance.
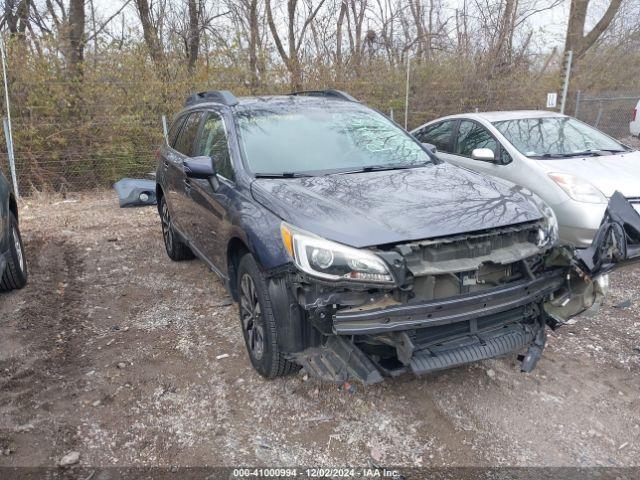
[
  {"x": 254, "y": 41},
  {"x": 16, "y": 16},
  {"x": 76, "y": 39},
  {"x": 195, "y": 8},
  {"x": 577, "y": 40},
  {"x": 295, "y": 36},
  {"x": 151, "y": 36},
  {"x": 422, "y": 31},
  {"x": 355, "y": 21},
  {"x": 341, "y": 16}
]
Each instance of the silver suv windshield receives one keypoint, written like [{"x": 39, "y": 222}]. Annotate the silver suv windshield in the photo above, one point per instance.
[
  {"x": 315, "y": 138},
  {"x": 556, "y": 137}
]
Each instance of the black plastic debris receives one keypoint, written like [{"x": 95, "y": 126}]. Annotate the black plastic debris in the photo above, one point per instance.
[
  {"x": 135, "y": 192},
  {"x": 623, "y": 304}
]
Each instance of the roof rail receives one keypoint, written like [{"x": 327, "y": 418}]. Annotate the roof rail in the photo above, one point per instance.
[
  {"x": 224, "y": 97},
  {"x": 332, "y": 93}
]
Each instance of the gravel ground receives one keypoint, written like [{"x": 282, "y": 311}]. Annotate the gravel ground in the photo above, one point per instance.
[{"x": 113, "y": 351}]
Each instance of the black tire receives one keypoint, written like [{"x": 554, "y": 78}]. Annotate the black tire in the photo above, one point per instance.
[
  {"x": 268, "y": 361},
  {"x": 176, "y": 249},
  {"x": 16, "y": 272}
]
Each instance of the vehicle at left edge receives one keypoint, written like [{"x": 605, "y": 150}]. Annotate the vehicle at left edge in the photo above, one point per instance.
[{"x": 13, "y": 263}]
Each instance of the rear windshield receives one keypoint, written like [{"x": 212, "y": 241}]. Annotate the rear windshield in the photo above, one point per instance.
[
  {"x": 321, "y": 138},
  {"x": 556, "y": 137}
]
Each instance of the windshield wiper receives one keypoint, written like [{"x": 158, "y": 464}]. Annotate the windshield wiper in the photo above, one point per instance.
[
  {"x": 613, "y": 150},
  {"x": 282, "y": 175},
  {"x": 380, "y": 168},
  {"x": 570, "y": 154}
]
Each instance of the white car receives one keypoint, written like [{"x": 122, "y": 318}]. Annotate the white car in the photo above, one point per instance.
[
  {"x": 572, "y": 166},
  {"x": 634, "y": 125}
]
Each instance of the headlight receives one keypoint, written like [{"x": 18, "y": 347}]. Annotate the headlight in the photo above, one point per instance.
[
  {"x": 549, "y": 234},
  {"x": 578, "y": 189},
  {"x": 332, "y": 261}
]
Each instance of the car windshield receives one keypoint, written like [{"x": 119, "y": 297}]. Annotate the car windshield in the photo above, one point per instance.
[
  {"x": 556, "y": 137},
  {"x": 313, "y": 138}
]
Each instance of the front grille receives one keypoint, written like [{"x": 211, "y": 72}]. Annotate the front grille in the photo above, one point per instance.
[
  {"x": 466, "y": 252},
  {"x": 434, "y": 335}
]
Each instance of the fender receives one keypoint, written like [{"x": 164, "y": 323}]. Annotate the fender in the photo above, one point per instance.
[{"x": 259, "y": 229}]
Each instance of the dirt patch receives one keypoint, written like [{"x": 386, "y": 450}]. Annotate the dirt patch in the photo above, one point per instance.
[{"x": 111, "y": 351}]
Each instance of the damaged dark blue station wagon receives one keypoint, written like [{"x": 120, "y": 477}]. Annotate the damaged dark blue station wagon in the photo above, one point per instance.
[{"x": 354, "y": 252}]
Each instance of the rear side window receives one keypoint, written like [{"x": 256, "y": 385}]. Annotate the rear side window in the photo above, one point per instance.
[
  {"x": 173, "y": 131},
  {"x": 438, "y": 134},
  {"x": 213, "y": 143},
  {"x": 187, "y": 135},
  {"x": 471, "y": 136}
]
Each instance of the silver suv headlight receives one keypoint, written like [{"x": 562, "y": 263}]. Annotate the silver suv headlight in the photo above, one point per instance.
[{"x": 332, "y": 261}]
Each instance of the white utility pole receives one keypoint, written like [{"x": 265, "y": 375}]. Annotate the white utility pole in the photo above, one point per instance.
[
  {"x": 7, "y": 122},
  {"x": 406, "y": 96},
  {"x": 565, "y": 81},
  {"x": 165, "y": 129}
]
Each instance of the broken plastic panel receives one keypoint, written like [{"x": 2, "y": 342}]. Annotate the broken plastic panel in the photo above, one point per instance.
[
  {"x": 135, "y": 192},
  {"x": 616, "y": 244}
]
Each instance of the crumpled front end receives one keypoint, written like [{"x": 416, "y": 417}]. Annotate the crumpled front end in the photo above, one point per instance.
[{"x": 458, "y": 300}]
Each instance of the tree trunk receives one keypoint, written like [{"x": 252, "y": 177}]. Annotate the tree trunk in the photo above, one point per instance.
[
  {"x": 151, "y": 39},
  {"x": 293, "y": 66},
  {"x": 576, "y": 39},
  {"x": 75, "y": 52},
  {"x": 253, "y": 45},
  {"x": 193, "y": 40},
  {"x": 579, "y": 42},
  {"x": 17, "y": 22},
  {"x": 418, "y": 19},
  {"x": 343, "y": 11},
  {"x": 502, "y": 51}
]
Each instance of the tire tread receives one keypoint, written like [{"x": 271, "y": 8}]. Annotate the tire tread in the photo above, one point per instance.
[
  {"x": 180, "y": 250},
  {"x": 13, "y": 278}
]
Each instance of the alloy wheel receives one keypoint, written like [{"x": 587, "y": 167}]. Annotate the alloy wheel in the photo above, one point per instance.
[
  {"x": 166, "y": 227},
  {"x": 18, "y": 249},
  {"x": 251, "y": 316}
]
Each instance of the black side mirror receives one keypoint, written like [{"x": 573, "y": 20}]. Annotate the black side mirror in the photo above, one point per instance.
[
  {"x": 430, "y": 146},
  {"x": 199, "y": 167}
]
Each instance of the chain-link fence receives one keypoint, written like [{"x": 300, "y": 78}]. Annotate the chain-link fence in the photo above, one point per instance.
[
  {"x": 609, "y": 112},
  {"x": 59, "y": 149},
  {"x": 111, "y": 139}
]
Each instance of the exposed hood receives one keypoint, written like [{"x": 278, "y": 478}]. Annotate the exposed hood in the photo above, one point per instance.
[
  {"x": 377, "y": 208},
  {"x": 607, "y": 173}
]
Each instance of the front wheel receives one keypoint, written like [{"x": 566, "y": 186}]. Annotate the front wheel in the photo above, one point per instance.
[
  {"x": 16, "y": 272},
  {"x": 258, "y": 323}
]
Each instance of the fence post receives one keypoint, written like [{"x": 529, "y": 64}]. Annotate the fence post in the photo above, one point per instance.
[
  {"x": 575, "y": 114},
  {"x": 7, "y": 121}
]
